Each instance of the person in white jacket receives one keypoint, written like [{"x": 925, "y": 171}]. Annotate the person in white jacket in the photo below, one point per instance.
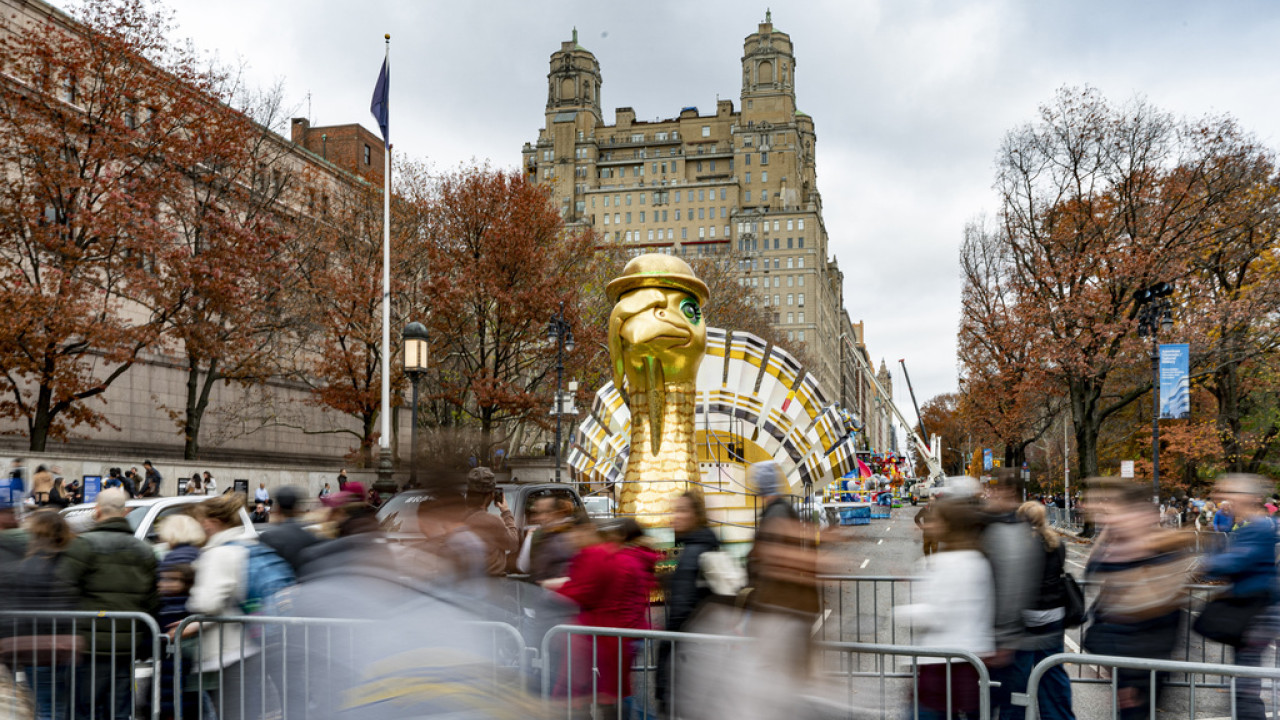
[
  {"x": 221, "y": 572},
  {"x": 954, "y": 608}
]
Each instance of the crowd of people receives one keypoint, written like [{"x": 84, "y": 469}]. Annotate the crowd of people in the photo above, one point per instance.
[{"x": 993, "y": 579}]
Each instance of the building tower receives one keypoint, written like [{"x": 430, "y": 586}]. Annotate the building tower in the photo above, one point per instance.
[
  {"x": 572, "y": 115},
  {"x": 768, "y": 74}
]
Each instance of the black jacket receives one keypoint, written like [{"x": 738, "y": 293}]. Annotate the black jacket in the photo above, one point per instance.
[
  {"x": 685, "y": 586},
  {"x": 289, "y": 539}
]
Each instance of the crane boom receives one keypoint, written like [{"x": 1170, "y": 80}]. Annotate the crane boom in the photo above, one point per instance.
[{"x": 935, "y": 467}]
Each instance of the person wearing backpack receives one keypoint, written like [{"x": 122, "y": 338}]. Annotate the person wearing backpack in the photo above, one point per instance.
[
  {"x": 234, "y": 575},
  {"x": 1045, "y": 619}
]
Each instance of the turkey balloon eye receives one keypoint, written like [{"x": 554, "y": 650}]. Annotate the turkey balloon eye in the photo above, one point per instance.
[{"x": 691, "y": 311}]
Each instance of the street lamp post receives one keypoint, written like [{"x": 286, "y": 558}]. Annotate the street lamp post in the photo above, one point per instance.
[
  {"x": 1155, "y": 313},
  {"x": 415, "y": 366},
  {"x": 559, "y": 332}
]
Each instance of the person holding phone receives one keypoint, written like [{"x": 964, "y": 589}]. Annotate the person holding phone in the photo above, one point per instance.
[{"x": 499, "y": 534}]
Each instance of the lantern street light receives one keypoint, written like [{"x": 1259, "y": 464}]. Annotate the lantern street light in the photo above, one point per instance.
[
  {"x": 559, "y": 332},
  {"x": 415, "y": 338},
  {"x": 1155, "y": 313}
]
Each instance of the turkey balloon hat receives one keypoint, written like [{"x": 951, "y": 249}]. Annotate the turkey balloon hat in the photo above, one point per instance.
[{"x": 657, "y": 339}]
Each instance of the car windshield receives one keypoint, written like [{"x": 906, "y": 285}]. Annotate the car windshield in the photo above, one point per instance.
[
  {"x": 136, "y": 516},
  {"x": 400, "y": 514}
]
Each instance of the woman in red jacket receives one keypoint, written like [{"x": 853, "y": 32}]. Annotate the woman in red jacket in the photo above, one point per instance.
[{"x": 611, "y": 581}]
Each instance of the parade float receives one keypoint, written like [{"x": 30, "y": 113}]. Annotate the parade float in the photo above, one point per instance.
[{"x": 690, "y": 407}]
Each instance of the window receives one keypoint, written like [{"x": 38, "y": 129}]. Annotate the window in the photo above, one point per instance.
[
  {"x": 764, "y": 178},
  {"x": 617, "y": 200},
  {"x": 747, "y": 159},
  {"x": 368, "y": 155},
  {"x": 777, "y": 243},
  {"x": 800, "y": 262},
  {"x": 713, "y": 231},
  {"x": 650, "y": 236},
  {"x": 801, "y": 334},
  {"x": 790, "y": 223},
  {"x": 764, "y": 158},
  {"x": 580, "y": 206},
  {"x": 800, "y": 243},
  {"x": 791, "y": 335},
  {"x": 746, "y": 197},
  {"x": 726, "y": 231},
  {"x": 677, "y": 213},
  {"x": 801, "y": 319},
  {"x": 790, "y": 263},
  {"x": 712, "y": 167},
  {"x": 702, "y": 213},
  {"x": 684, "y": 233},
  {"x": 801, "y": 299},
  {"x": 702, "y": 196},
  {"x": 748, "y": 178},
  {"x": 606, "y": 200},
  {"x": 724, "y": 192},
  {"x": 641, "y": 216},
  {"x": 800, "y": 224},
  {"x": 706, "y": 131},
  {"x": 789, "y": 243},
  {"x": 697, "y": 168},
  {"x": 755, "y": 282},
  {"x": 637, "y": 137},
  {"x": 617, "y": 219},
  {"x": 660, "y": 136},
  {"x": 800, "y": 280},
  {"x": 628, "y": 218},
  {"x": 702, "y": 232},
  {"x": 791, "y": 299},
  {"x": 791, "y": 281},
  {"x": 776, "y": 301},
  {"x": 664, "y": 215},
  {"x": 677, "y": 196},
  {"x": 606, "y": 218},
  {"x": 776, "y": 262},
  {"x": 628, "y": 198}
]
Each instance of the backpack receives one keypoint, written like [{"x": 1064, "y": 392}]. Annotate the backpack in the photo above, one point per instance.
[{"x": 266, "y": 573}]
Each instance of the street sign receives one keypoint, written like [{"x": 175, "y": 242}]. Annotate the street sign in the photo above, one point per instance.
[
  {"x": 1126, "y": 468},
  {"x": 986, "y": 459}
]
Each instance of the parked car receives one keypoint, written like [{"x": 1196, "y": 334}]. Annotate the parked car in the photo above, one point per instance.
[
  {"x": 144, "y": 515},
  {"x": 399, "y": 516}
]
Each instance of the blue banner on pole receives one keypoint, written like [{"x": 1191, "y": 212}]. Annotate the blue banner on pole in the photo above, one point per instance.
[
  {"x": 1175, "y": 381},
  {"x": 987, "y": 463},
  {"x": 92, "y": 486}
]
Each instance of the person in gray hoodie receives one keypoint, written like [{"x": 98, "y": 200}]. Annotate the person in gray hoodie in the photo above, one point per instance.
[{"x": 1016, "y": 559}]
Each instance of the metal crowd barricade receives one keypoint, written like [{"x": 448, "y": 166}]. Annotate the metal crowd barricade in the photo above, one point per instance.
[
  {"x": 645, "y": 663},
  {"x": 850, "y": 663},
  {"x": 561, "y": 684},
  {"x": 866, "y": 602},
  {"x": 287, "y": 661},
  {"x": 142, "y": 658},
  {"x": 1153, "y": 668}
]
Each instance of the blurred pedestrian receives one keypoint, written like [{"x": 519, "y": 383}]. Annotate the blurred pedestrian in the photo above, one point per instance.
[
  {"x": 552, "y": 546},
  {"x": 342, "y": 479},
  {"x": 1246, "y": 614},
  {"x": 928, "y": 543},
  {"x": 209, "y": 484},
  {"x": 954, "y": 606},
  {"x": 1141, "y": 570},
  {"x": 498, "y": 533},
  {"x": 221, "y": 586},
  {"x": 288, "y": 536},
  {"x": 325, "y": 491},
  {"x": 1016, "y": 558},
  {"x": 152, "y": 480},
  {"x": 58, "y": 496},
  {"x": 686, "y": 585},
  {"x": 112, "y": 571},
  {"x": 358, "y": 539},
  {"x": 47, "y": 650},
  {"x": 1044, "y": 619},
  {"x": 611, "y": 581}
]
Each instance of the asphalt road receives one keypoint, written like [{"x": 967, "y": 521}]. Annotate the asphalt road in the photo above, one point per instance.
[{"x": 860, "y": 610}]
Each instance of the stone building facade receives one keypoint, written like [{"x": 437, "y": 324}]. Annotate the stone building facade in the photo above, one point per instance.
[{"x": 739, "y": 184}]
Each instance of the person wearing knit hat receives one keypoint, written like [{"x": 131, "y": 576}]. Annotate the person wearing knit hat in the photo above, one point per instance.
[
  {"x": 499, "y": 534},
  {"x": 766, "y": 481}
]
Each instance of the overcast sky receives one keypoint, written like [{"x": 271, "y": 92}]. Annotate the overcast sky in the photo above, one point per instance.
[{"x": 910, "y": 99}]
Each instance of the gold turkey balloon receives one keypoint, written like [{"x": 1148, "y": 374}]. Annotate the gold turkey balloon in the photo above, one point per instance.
[{"x": 657, "y": 339}]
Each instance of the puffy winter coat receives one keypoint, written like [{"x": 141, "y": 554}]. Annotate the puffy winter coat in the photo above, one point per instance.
[{"x": 113, "y": 571}]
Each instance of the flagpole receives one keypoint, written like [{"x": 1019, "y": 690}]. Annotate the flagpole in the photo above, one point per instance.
[{"x": 384, "y": 460}]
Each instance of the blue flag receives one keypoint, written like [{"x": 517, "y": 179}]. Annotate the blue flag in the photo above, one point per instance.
[{"x": 381, "y": 104}]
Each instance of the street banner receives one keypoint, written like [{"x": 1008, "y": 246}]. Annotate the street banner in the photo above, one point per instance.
[
  {"x": 986, "y": 459},
  {"x": 1175, "y": 381},
  {"x": 10, "y": 492},
  {"x": 1126, "y": 468}
]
